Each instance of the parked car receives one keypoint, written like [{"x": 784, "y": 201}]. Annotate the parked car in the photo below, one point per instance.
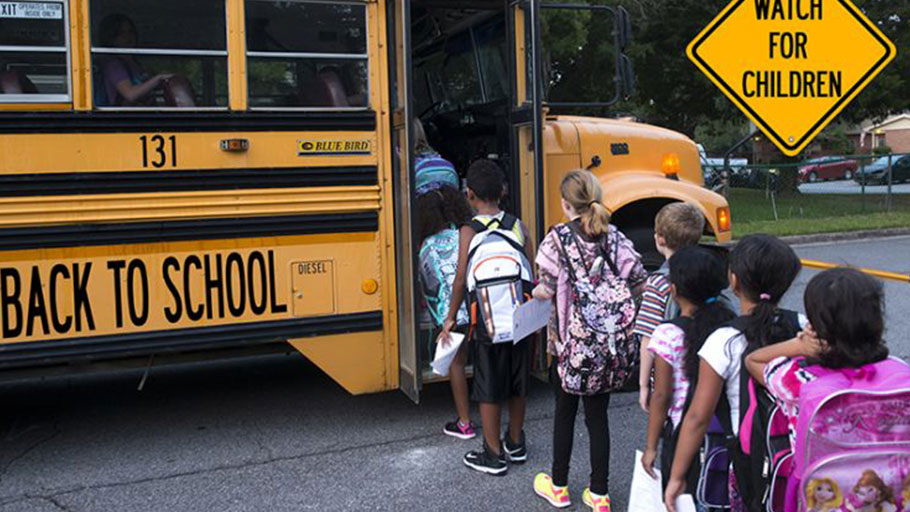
[
  {"x": 826, "y": 168},
  {"x": 713, "y": 167},
  {"x": 876, "y": 173}
]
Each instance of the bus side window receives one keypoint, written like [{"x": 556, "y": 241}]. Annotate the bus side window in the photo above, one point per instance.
[
  {"x": 33, "y": 59},
  {"x": 166, "y": 53},
  {"x": 324, "y": 66}
]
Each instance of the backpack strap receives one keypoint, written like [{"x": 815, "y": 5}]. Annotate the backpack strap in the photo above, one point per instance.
[
  {"x": 790, "y": 319},
  {"x": 570, "y": 265},
  {"x": 787, "y": 318},
  {"x": 507, "y": 222},
  {"x": 477, "y": 226},
  {"x": 602, "y": 245}
]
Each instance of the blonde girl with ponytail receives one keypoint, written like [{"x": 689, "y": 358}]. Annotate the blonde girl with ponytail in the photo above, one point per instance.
[
  {"x": 582, "y": 197},
  {"x": 594, "y": 239}
]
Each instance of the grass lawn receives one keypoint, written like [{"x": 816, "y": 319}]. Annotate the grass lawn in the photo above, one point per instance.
[{"x": 814, "y": 213}]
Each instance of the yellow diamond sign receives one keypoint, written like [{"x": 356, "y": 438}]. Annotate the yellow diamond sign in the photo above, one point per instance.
[{"x": 791, "y": 65}]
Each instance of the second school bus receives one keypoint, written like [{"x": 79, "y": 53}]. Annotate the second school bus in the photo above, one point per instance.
[{"x": 224, "y": 177}]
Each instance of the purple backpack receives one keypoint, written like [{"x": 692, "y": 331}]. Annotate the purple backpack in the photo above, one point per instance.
[{"x": 852, "y": 447}]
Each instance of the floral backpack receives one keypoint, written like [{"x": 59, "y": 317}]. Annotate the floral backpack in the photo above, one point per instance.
[{"x": 599, "y": 351}]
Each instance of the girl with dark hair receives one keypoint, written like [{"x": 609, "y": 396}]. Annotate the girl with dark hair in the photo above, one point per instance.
[
  {"x": 846, "y": 322},
  {"x": 442, "y": 212},
  {"x": 762, "y": 268},
  {"x": 697, "y": 278}
]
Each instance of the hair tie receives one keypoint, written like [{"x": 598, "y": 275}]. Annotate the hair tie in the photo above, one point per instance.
[
  {"x": 711, "y": 300},
  {"x": 765, "y": 296},
  {"x": 592, "y": 203}
]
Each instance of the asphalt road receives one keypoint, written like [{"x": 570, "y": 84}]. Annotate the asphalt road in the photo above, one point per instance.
[{"x": 275, "y": 434}]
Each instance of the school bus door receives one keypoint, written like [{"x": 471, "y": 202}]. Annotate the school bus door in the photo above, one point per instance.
[
  {"x": 399, "y": 34},
  {"x": 526, "y": 117}
]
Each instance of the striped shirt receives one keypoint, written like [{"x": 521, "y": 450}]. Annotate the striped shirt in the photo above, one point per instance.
[
  {"x": 654, "y": 302},
  {"x": 668, "y": 342}
]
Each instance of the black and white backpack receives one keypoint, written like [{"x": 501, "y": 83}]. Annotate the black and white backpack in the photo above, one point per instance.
[{"x": 499, "y": 278}]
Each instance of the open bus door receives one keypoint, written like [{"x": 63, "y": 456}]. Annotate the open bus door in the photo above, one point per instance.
[
  {"x": 399, "y": 34},
  {"x": 526, "y": 118},
  {"x": 533, "y": 83}
]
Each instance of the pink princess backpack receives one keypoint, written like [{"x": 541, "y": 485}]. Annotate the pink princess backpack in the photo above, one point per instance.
[{"x": 852, "y": 448}]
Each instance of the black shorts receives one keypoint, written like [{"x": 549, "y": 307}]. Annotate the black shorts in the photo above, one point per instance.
[{"x": 501, "y": 370}]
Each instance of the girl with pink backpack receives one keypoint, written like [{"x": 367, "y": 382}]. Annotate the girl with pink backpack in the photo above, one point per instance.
[
  {"x": 847, "y": 402},
  {"x": 762, "y": 268}
]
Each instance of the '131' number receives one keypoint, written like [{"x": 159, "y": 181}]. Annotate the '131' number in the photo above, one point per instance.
[{"x": 157, "y": 147}]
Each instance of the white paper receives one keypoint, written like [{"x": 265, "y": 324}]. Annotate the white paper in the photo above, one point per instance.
[
  {"x": 530, "y": 317},
  {"x": 445, "y": 354},
  {"x": 646, "y": 494}
]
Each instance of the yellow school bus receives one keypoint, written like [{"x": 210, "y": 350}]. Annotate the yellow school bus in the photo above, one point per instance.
[{"x": 183, "y": 180}]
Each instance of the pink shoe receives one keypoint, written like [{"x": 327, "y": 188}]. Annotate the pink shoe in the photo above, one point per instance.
[{"x": 460, "y": 430}]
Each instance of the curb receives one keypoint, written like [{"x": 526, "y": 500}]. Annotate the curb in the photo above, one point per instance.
[{"x": 845, "y": 236}]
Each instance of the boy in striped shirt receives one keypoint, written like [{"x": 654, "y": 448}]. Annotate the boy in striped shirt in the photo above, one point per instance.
[{"x": 676, "y": 225}]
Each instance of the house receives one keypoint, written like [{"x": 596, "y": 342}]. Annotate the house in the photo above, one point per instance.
[{"x": 893, "y": 132}]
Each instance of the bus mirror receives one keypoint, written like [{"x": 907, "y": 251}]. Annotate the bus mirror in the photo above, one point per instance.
[
  {"x": 626, "y": 75},
  {"x": 623, "y": 28}
]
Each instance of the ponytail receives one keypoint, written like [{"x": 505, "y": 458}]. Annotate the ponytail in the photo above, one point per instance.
[
  {"x": 583, "y": 192},
  {"x": 700, "y": 276},
  {"x": 705, "y": 321},
  {"x": 596, "y": 219},
  {"x": 764, "y": 267}
]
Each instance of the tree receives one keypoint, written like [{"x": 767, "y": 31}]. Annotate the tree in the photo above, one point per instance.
[{"x": 671, "y": 91}]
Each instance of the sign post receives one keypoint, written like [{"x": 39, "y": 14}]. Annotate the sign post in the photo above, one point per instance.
[{"x": 791, "y": 65}]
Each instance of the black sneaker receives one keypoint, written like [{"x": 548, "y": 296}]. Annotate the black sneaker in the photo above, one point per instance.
[
  {"x": 516, "y": 453},
  {"x": 486, "y": 461}
]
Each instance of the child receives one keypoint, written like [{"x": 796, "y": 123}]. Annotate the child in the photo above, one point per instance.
[
  {"x": 762, "y": 268},
  {"x": 677, "y": 225},
  {"x": 697, "y": 278},
  {"x": 615, "y": 269},
  {"x": 501, "y": 370},
  {"x": 441, "y": 211},
  {"x": 846, "y": 323}
]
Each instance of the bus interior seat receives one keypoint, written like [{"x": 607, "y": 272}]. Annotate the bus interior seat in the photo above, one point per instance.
[
  {"x": 178, "y": 92},
  {"x": 15, "y": 82}
]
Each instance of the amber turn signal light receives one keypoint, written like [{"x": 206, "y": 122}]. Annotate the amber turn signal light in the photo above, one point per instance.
[
  {"x": 669, "y": 165},
  {"x": 723, "y": 218}
]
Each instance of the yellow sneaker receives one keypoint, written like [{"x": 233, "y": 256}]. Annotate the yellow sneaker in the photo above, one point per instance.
[
  {"x": 596, "y": 502},
  {"x": 556, "y": 496}
]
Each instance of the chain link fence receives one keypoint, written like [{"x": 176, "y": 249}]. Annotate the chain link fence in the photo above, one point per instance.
[{"x": 821, "y": 188}]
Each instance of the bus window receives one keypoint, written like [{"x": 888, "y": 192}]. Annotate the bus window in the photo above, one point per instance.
[
  {"x": 491, "y": 51},
  {"x": 34, "y": 50},
  {"x": 167, "y": 53},
  {"x": 323, "y": 65},
  {"x": 579, "y": 55}
]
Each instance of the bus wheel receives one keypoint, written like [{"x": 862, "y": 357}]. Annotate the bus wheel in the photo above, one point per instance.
[{"x": 643, "y": 238}]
